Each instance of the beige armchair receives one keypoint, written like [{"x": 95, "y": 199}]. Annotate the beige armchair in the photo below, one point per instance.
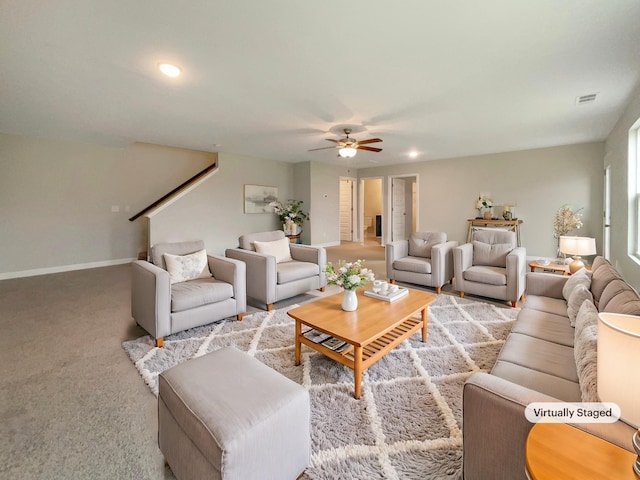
[
  {"x": 278, "y": 269},
  {"x": 425, "y": 259},
  {"x": 162, "y": 305},
  {"x": 491, "y": 266}
]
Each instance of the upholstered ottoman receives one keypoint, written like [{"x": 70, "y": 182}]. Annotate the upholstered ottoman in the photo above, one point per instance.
[{"x": 226, "y": 415}]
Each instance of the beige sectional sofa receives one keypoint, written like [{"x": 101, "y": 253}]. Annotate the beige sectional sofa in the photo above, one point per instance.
[{"x": 543, "y": 359}]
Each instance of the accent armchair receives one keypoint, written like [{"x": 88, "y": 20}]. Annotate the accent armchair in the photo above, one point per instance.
[
  {"x": 425, "y": 259},
  {"x": 278, "y": 269},
  {"x": 163, "y": 302},
  {"x": 491, "y": 266}
]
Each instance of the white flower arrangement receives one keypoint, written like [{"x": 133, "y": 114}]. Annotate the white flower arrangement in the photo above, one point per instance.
[
  {"x": 484, "y": 202},
  {"x": 348, "y": 275},
  {"x": 289, "y": 212}
]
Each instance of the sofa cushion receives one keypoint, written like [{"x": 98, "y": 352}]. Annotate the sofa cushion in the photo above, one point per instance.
[
  {"x": 545, "y": 326},
  {"x": 413, "y": 264},
  {"x": 579, "y": 295},
  {"x": 182, "y": 268},
  {"x": 540, "y": 355},
  {"x": 195, "y": 293},
  {"x": 492, "y": 255},
  {"x": 581, "y": 277},
  {"x": 290, "y": 271},
  {"x": 598, "y": 262},
  {"x": 600, "y": 278},
  {"x": 619, "y": 297},
  {"x": 551, "y": 385},
  {"x": 486, "y": 274},
  {"x": 281, "y": 249},
  {"x": 556, "y": 306},
  {"x": 586, "y": 351},
  {"x": 420, "y": 243}
]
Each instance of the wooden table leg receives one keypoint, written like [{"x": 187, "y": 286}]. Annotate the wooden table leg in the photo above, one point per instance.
[
  {"x": 357, "y": 370},
  {"x": 424, "y": 325},
  {"x": 297, "y": 341}
]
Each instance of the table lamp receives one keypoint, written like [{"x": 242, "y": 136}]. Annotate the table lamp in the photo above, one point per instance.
[
  {"x": 577, "y": 246},
  {"x": 618, "y": 380}
]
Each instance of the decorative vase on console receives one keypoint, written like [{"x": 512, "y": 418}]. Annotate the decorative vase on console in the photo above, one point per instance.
[{"x": 488, "y": 214}]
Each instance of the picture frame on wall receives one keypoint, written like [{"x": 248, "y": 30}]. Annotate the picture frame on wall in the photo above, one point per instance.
[{"x": 258, "y": 197}]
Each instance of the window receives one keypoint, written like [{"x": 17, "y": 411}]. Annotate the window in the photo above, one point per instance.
[{"x": 634, "y": 191}]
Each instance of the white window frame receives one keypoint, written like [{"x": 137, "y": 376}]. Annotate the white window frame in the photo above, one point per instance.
[{"x": 634, "y": 192}]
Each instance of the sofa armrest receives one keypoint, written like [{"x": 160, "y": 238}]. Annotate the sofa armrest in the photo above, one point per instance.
[
  {"x": 151, "y": 298},
  {"x": 495, "y": 428},
  {"x": 516, "y": 273},
  {"x": 311, "y": 254},
  {"x": 462, "y": 260},
  {"x": 394, "y": 251},
  {"x": 442, "y": 262},
  {"x": 261, "y": 273},
  {"x": 233, "y": 272},
  {"x": 545, "y": 284}
]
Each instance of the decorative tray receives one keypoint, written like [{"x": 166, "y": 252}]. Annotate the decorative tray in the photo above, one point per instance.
[{"x": 389, "y": 297}]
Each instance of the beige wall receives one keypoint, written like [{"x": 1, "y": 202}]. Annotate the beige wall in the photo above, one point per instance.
[
  {"x": 537, "y": 181},
  {"x": 214, "y": 211},
  {"x": 617, "y": 155},
  {"x": 56, "y": 200}
]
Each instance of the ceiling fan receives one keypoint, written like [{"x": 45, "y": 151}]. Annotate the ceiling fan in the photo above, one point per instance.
[{"x": 348, "y": 147}]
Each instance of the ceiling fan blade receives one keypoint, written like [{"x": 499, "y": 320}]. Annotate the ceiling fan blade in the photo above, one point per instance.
[
  {"x": 321, "y": 148},
  {"x": 332, "y": 140},
  {"x": 371, "y": 149},
  {"x": 371, "y": 140}
]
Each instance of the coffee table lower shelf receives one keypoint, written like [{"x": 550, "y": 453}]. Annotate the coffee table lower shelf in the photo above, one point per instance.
[{"x": 360, "y": 357}]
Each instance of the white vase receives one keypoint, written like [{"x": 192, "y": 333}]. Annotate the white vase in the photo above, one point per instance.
[{"x": 349, "y": 301}]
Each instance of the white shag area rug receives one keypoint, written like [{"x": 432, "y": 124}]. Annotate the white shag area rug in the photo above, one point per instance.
[{"x": 408, "y": 421}]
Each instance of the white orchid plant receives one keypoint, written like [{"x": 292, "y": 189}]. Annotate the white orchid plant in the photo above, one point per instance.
[
  {"x": 484, "y": 202},
  {"x": 348, "y": 275}
]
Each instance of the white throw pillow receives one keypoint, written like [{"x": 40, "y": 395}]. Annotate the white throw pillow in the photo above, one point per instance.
[
  {"x": 581, "y": 277},
  {"x": 187, "y": 267},
  {"x": 579, "y": 294},
  {"x": 278, "y": 248}
]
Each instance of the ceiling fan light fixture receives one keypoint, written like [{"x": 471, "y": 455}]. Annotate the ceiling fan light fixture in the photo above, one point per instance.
[
  {"x": 170, "y": 70},
  {"x": 347, "y": 152}
]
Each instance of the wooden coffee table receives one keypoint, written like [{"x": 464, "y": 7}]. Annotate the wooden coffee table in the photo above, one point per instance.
[{"x": 372, "y": 331}]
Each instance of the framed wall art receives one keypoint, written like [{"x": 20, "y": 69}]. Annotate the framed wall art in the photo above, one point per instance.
[{"x": 258, "y": 197}]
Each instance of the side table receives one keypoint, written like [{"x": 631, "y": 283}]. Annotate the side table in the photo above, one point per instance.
[
  {"x": 294, "y": 238},
  {"x": 554, "y": 267},
  {"x": 557, "y": 451}
]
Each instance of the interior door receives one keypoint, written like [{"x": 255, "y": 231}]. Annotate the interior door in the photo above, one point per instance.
[
  {"x": 346, "y": 210},
  {"x": 398, "y": 209}
]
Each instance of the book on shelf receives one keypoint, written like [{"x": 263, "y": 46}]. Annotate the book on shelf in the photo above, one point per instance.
[
  {"x": 335, "y": 344},
  {"x": 315, "y": 336},
  {"x": 389, "y": 296}
]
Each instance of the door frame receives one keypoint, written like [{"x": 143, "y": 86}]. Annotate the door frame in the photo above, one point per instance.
[
  {"x": 387, "y": 233},
  {"x": 354, "y": 197}
]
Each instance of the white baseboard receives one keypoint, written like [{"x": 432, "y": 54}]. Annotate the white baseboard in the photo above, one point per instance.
[
  {"x": 330, "y": 244},
  {"x": 64, "y": 268}
]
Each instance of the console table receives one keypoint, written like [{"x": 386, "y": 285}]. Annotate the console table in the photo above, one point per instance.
[{"x": 510, "y": 225}]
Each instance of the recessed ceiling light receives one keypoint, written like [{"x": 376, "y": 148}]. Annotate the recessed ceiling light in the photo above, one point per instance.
[
  {"x": 169, "y": 70},
  {"x": 413, "y": 154}
]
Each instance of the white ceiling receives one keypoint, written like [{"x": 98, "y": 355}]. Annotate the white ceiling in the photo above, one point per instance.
[{"x": 272, "y": 78}]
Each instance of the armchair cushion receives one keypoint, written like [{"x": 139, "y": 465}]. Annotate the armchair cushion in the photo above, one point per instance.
[
  {"x": 420, "y": 243},
  {"x": 493, "y": 255},
  {"x": 278, "y": 248},
  {"x": 486, "y": 274},
  {"x": 187, "y": 267},
  {"x": 291, "y": 271},
  {"x": 195, "y": 293},
  {"x": 413, "y": 264}
]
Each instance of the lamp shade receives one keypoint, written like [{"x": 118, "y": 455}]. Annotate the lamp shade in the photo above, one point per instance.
[
  {"x": 347, "y": 152},
  {"x": 578, "y": 245},
  {"x": 618, "y": 348}
]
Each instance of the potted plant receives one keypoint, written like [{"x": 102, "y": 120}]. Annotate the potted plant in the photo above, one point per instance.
[
  {"x": 484, "y": 205},
  {"x": 290, "y": 215}
]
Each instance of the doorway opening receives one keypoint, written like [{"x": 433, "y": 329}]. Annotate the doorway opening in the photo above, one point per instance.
[{"x": 371, "y": 210}]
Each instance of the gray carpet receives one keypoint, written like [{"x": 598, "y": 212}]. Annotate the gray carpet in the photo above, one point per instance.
[{"x": 407, "y": 425}]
